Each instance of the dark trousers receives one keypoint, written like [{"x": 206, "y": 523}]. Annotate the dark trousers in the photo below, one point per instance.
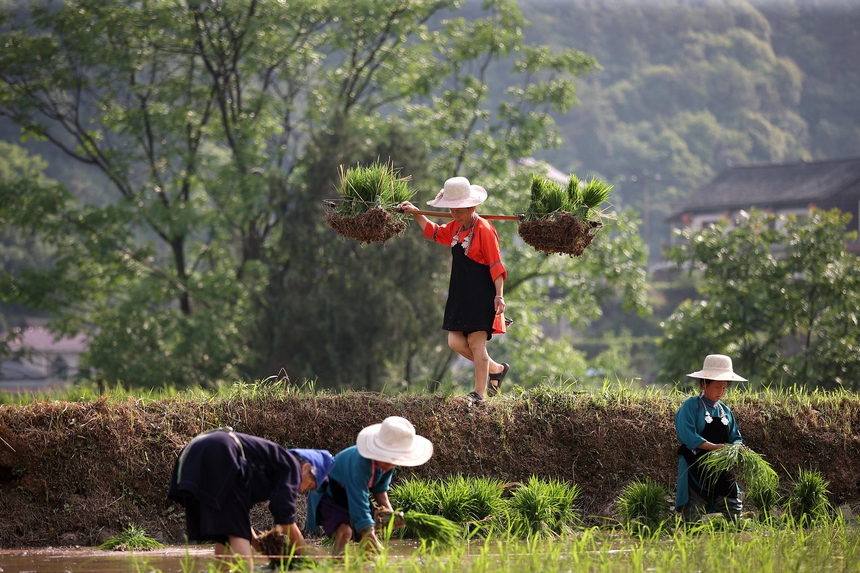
[{"x": 697, "y": 506}]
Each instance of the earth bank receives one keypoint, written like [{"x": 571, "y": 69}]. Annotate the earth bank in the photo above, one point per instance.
[{"x": 74, "y": 473}]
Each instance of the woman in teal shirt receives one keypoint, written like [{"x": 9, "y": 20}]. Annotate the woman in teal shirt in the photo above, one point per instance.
[
  {"x": 705, "y": 424},
  {"x": 342, "y": 507}
]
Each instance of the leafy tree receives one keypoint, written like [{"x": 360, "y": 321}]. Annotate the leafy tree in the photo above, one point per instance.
[
  {"x": 220, "y": 127},
  {"x": 823, "y": 303},
  {"x": 779, "y": 296},
  {"x": 18, "y": 251}
]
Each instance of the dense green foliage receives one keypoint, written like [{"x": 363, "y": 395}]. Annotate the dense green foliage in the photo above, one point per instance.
[
  {"x": 217, "y": 129},
  {"x": 194, "y": 151},
  {"x": 689, "y": 87},
  {"x": 781, "y": 300}
]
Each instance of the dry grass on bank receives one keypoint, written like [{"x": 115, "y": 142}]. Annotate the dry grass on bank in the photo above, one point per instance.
[{"x": 77, "y": 472}]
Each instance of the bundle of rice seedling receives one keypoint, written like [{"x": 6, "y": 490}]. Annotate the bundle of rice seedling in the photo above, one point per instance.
[
  {"x": 543, "y": 507},
  {"x": 807, "y": 500},
  {"x": 643, "y": 506},
  {"x": 414, "y": 494},
  {"x": 760, "y": 479},
  {"x": 563, "y": 219},
  {"x": 367, "y": 192},
  {"x": 434, "y": 528},
  {"x": 132, "y": 538},
  {"x": 476, "y": 504}
]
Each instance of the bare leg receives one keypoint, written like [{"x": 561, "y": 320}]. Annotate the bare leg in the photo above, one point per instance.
[
  {"x": 341, "y": 538},
  {"x": 459, "y": 343},
  {"x": 237, "y": 547},
  {"x": 484, "y": 365}
]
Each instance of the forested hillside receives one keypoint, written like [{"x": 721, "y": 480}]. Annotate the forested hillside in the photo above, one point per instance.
[{"x": 688, "y": 87}]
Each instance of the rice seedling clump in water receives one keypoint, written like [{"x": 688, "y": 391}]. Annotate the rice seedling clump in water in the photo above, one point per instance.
[
  {"x": 643, "y": 506},
  {"x": 414, "y": 494},
  {"x": 366, "y": 194},
  {"x": 807, "y": 501},
  {"x": 132, "y": 538},
  {"x": 273, "y": 542},
  {"x": 543, "y": 507}
]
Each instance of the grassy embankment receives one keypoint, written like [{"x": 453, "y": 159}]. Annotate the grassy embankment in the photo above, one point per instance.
[{"x": 77, "y": 472}]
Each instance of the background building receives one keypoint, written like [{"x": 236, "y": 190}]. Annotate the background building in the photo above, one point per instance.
[
  {"x": 786, "y": 189},
  {"x": 49, "y": 362}
]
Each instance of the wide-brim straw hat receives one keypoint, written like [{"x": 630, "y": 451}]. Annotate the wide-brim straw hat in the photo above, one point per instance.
[
  {"x": 458, "y": 193},
  {"x": 394, "y": 441},
  {"x": 717, "y": 367}
]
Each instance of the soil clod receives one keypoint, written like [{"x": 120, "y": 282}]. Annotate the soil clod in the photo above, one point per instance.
[{"x": 561, "y": 233}]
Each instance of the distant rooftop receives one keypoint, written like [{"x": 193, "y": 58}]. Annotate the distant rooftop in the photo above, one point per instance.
[
  {"x": 773, "y": 185},
  {"x": 551, "y": 171},
  {"x": 39, "y": 338}
]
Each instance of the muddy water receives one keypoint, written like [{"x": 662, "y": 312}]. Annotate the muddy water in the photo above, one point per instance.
[
  {"x": 89, "y": 560},
  {"x": 175, "y": 559}
]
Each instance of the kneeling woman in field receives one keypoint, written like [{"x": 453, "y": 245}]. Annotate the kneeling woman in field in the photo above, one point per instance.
[
  {"x": 705, "y": 424},
  {"x": 342, "y": 506},
  {"x": 221, "y": 474}
]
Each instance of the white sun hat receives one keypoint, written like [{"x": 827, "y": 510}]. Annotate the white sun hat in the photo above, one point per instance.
[
  {"x": 458, "y": 193},
  {"x": 717, "y": 367},
  {"x": 394, "y": 441}
]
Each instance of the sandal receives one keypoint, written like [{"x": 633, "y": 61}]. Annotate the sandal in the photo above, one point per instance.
[
  {"x": 475, "y": 396},
  {"x": 493, "y": 389}
]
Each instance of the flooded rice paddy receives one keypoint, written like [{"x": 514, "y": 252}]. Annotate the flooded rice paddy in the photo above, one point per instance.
[
  {"x": 824, "y": 548},
  {"x": 90, "y": 560},
  {"x": 170, "y": 559}
]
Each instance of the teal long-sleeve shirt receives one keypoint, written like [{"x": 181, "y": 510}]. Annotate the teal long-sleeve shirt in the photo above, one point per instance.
[
  {"x": 360, "y": 477},
  {"x": 689, "y": 424}
]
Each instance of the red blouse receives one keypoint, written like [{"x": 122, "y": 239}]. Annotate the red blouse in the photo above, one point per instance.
[{"x": 485, "y": 243}]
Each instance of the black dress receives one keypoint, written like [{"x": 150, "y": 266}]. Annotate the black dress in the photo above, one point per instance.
[{"x": 471, "y": 293}]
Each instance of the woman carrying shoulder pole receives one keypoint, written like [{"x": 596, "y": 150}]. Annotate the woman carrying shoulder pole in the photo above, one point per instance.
[{"x": 476, "y": 303}]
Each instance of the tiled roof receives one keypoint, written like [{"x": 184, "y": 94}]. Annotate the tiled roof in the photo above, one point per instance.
[{"x": 766, "y": 185}]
